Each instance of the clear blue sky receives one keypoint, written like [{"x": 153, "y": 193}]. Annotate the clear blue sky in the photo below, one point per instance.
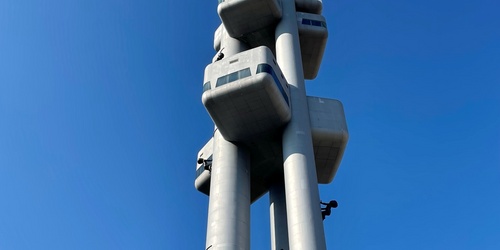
[{"x": 101, "y": 119}]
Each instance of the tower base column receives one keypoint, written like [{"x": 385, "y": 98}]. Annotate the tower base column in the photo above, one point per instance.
[
  {"x": 305, "y": 227},
  {"x": 228, "y": 226},
  {"x": 277, "y": 209}
]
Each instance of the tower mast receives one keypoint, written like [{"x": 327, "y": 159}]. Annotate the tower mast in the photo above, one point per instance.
[{"x": 269, "y": 136}]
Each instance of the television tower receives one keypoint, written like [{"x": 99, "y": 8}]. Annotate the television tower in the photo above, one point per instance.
[{"x": 269, "y": 135}]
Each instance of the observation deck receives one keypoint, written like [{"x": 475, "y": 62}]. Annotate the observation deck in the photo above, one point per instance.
[
  {"x": 204, "y": 168},
  {"x": 246, "y": 16},
  {"x": 246, "y": 95},
  {"x": 329, "y": 134},
  {"x": 313, "y": 35}
]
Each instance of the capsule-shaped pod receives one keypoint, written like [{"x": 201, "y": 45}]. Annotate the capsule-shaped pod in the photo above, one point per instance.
[
  {"x": 246, "y": 95},
  {"x": 246, "y": 16},
  {"x": 204, "y": 168},
  {"x": 330, "y": 135},
  {"x": 309, "y": 6},
  {"x": 313, "y": 35}
]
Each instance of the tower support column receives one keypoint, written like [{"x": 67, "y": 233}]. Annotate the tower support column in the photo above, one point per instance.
[
  {"x": 228, "y": 226},
  {"x": 277, "y": 209},
  {"x": 305, "y": 226}
]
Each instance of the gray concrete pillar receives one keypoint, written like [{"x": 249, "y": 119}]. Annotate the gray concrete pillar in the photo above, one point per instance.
[
  {"x": 277, "y": 209},
  {"x": 305, "y": 226},
  {"x": 228, "y": 226}
]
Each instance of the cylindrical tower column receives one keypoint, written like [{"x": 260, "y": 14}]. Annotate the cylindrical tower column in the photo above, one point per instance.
[
  {"x": 305, "y": 226},
  {"x": 277, "y": 209},
  {"x": 228, "y": 226}
]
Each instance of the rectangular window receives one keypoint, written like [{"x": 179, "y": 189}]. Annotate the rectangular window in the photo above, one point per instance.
[
  {"x": 314, "y": 23},
  {"x": 233, "y": 77},
  {"x": 221, "y": 81},
  {"x": 244, "y": 73},
  {"x": 206, "y": 86}
]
